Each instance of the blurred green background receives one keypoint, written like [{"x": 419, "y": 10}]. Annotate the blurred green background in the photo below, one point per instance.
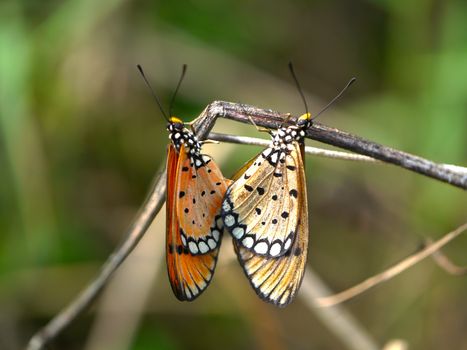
[{"x": 81, "y": 139}]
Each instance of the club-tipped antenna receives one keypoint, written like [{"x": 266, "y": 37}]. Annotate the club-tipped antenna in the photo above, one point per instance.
[
  {"x": 351, "y": 81},
  {"x": 177, "y": 88},
  {"x": 298, "y": 86},
  {"x": 152, "y": 91}
]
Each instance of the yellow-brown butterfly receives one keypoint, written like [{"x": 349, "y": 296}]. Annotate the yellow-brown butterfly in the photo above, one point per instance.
[
  {"x": 266, "y": 212},
  {"x": 195, "y": 188}
]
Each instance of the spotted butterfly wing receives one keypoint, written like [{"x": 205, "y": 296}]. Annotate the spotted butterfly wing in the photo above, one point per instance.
[
  {"x": 277, "y": 279},
  {"x": 202, "y": 188},
  {"x": 261, "y": 209},
  {"x": 194, "y": 226},
  {"x": 266, "y": 212}
]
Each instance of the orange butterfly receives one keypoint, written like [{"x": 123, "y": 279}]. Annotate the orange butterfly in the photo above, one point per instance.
[
  {"x": 265, "y": 210},
  {"x": 195, "y": 189}
]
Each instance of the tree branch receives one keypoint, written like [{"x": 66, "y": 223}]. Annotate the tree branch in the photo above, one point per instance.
[{"x": 319, "y": 132}]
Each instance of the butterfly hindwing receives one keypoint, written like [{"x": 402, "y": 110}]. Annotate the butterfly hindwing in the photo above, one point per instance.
[
  {"x": 261, "y": 208},
  {"x": 277, "y": 279},
  {"x": 189, "y": 274},
  {"x": 201, "y": 190}
]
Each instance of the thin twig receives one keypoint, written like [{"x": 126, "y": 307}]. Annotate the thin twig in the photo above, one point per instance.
[
  {"x": 319, "y": 132},
  {"x": 391, "y": 272},
  {"x": 446, "y": 264},
  {"x": 246, "y": 140}
]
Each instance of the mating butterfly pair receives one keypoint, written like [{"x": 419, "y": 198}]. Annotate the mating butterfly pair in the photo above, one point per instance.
[{"x": 264, "y": 209}]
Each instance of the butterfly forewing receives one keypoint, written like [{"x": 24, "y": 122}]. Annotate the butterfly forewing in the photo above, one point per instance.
[
  {"x": 261, "y": 209},
  {"x": 277, "y": 279},
  {"x": 189, "y": 274},
  {"x": 201, "y": 190}
]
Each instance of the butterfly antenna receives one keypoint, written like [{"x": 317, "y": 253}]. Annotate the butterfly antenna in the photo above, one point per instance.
[
  {"x": 177, "y": 88},
  {"x": 152, "y": 91},
  {"x": 351, "y": 81},
  {"x": 298, "y": 86}
]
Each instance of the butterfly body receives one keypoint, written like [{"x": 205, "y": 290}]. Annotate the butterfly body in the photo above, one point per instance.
[
  {"x": 195, "y": 188},
  {"x": 265, "y": 211}
]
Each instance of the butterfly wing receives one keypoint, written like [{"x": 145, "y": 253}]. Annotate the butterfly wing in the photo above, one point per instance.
[
  {"x": 189, "y": 274},
  {"x": 201, "y": 190},
  {"x": 261, "y": 208},
  {"x": 277, "y": 279}
]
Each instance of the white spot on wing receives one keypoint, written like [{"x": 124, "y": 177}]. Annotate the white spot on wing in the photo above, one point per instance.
[
  {"x": 238, "y": 232},
  {"x": 229, "y": 220},
  {"x": 274, "y": 158},
  {"x": 226, "y": 206},
  {"x": 203, "y": 247},
  {"x": 215, "y": 234},
  {"x": 248, "y": 242},
  {"x": 275, "y": 249},
  {"x": 183, "y": 240},
  {"x": 211, "y": 243},
  {"x": 193, "y": 247},
  {"x": 261, "y": 248},
  {"x": 287, "y": 244}
]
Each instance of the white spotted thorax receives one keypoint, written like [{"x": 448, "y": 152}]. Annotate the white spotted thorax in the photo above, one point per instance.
[{"x": 179, "y": 135}]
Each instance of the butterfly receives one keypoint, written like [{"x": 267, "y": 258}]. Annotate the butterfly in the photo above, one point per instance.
[
  {"x": 195, "y": 189},
  {"x": 194, "y": 227},
  {"x": 265, "y": 211}
]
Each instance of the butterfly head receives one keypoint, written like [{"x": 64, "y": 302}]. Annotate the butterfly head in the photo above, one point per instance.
[
  {"x": 175, "y": 124},
  {"x": 304, "y": 121},
  {"x": 179, "y": 135}
]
